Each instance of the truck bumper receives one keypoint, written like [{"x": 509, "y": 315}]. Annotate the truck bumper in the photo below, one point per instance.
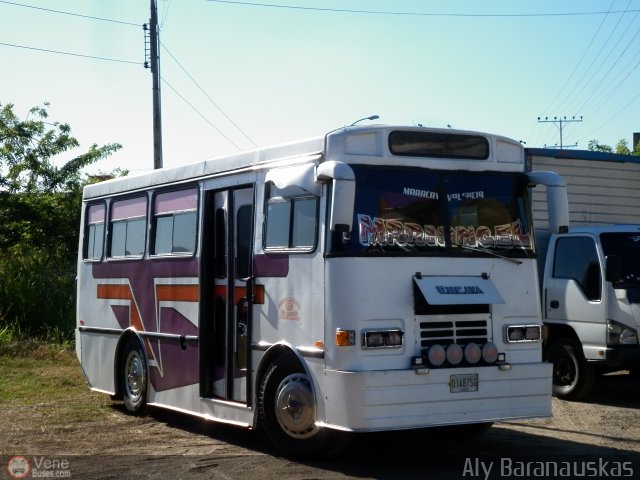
[
  {"x": 402, "y": 399},
  {"x": 623, "y": 357}
]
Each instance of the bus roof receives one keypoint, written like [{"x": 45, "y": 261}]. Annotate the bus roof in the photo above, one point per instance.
[{"x": 369, "y": 144}]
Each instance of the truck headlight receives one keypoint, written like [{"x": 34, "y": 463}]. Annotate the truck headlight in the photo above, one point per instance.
[{"x": 619, "y": 334}]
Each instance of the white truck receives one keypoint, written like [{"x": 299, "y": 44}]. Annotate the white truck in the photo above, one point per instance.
[{"x": 590, "y": 274}]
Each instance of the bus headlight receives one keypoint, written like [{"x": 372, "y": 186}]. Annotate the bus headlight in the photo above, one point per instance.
[
  {"x": 387, "y": 338},
  {"x": 523, "y": 333},
  {"x": 619, "y": 334}
]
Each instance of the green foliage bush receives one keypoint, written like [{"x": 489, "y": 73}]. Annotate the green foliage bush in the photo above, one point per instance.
[
  {"x": 39, "y": 225},
  {"x": 37, "y": 293}
]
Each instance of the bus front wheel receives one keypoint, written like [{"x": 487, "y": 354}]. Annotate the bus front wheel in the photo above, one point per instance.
[
  {"x": 288, "y": 415},
  {"x": 133, "y": 376}
]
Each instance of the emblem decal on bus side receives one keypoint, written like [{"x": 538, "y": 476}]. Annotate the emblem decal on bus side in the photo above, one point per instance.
[{"x": 289, "y": 309}]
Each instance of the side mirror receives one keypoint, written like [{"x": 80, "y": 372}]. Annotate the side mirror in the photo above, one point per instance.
[
  {"x": 343, "y": 193},
  {"x": 613, "y": 268}
]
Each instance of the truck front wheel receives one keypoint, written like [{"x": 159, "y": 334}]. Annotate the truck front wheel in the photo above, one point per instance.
[{"x": 573, "y": 377}]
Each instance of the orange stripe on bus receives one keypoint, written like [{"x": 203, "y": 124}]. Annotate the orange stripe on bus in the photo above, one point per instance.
[
  {"x": 240, "y": 292},
  {"x": 177, "y": 293},
  {"x": 114, "y": 292}
]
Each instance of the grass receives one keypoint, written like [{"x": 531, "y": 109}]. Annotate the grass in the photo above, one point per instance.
[{"x": 47, "y": 378}]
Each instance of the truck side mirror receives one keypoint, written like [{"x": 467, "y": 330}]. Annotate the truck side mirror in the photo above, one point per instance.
[{"x": 613, "y": 268}]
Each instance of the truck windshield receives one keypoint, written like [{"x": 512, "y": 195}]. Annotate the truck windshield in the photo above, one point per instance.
[
  {"x": 403, "y": 211},
  {"x": 627, "y": 246}
]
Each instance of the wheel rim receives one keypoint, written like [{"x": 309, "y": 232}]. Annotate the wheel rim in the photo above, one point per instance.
[
  {"x": 134, "y": 381},
  {"x": 295, "y": 406},
  {"x": 565, "y": 371}
]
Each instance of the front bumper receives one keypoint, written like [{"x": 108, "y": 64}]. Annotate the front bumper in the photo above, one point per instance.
[
  {"x": 623, "y": 357},
  {"x": 402, "y": 399}
]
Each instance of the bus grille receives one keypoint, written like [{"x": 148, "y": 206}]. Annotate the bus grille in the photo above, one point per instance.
[{"x": 456, "y": 331}]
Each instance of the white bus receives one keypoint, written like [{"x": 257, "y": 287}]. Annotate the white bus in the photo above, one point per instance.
[{"x": 376, "y": 278}]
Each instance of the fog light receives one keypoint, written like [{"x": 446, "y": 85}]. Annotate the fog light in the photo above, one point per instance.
[
  {"x": 489, "y": 352},
  {"x": 454, "y": 354},
  {"x": 472, "y": 353},
  {"x": 436, "y": 355}
]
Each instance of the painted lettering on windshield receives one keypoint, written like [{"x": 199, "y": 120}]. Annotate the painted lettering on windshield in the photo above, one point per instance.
[{"x": 375, "y": 231}]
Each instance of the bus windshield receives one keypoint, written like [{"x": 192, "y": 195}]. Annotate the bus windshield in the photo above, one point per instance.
[{"x": 416, "y": 211}]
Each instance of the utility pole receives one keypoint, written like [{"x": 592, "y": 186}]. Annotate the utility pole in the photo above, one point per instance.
[
  {"x": 154, "y": 55},
  {"x": 559, "y": 121}
]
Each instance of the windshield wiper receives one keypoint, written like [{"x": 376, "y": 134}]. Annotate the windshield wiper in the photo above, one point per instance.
[{"x": 492, "y": 253}]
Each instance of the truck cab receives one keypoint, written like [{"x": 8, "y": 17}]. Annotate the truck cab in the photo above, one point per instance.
[{"x": 591, "y": 305}]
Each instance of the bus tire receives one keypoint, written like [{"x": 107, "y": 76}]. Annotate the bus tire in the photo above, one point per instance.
[
  {"x": 134, "y": 376},
  {"x": 287, "y": 412},
  {"x": 573, "y": 377}
]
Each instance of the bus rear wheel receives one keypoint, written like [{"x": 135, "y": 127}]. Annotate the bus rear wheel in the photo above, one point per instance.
[
  {"x": 287, "y": 412},
  {"x": 133, "y": 376}
]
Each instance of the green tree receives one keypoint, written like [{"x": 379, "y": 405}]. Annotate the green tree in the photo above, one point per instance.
[
  {"x": 622, "y": 147},
  {"x": 39, "y": 218},
  {"x": 596, "y": 146}
]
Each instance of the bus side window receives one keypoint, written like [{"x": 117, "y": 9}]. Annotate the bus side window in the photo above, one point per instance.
[
  {"x": 291, "y": 222},
  {"x": 127, "y": 227},
  {"x": 175, "y": 218},
  {"x": 94, "y": 232}
]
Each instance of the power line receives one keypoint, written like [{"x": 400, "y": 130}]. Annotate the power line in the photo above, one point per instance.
[
  {"x": 604, "y": 18},
  {"x": 69, "y": 53},
  {"x": 596, "y": 71},
  {"x": 609, "y": 70},
  {"x": 121, "y": 22},
  {"x": 633, "y": 100},
  {"x": 417, "y": 14},
  {"x": 199, "y": 113},
  {"x": 208, "y": 97}
]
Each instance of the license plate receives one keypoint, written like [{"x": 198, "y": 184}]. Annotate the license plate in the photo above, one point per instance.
[{"x": 467, "y": 382}]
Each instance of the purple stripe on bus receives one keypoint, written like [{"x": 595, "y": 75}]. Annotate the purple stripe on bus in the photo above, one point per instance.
[
  {"x": 270, "y": 265},
  {"x": 172, "y": 321},
  {"x": 141, "y": 275},
  {"x": 179, "y": 367},
  {"x": 122, "y": 315}
]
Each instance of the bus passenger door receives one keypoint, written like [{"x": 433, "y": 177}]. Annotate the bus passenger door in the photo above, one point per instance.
[{"x": 225, "y": 322}]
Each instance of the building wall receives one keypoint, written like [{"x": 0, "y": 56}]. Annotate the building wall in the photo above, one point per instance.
[{"x": 602, "y": 188}]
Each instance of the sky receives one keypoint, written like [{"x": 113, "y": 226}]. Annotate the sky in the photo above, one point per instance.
[{"x": 239, "y": 75}]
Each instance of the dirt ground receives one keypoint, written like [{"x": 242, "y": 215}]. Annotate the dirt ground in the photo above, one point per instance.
[{"x": 108, "y": 443}]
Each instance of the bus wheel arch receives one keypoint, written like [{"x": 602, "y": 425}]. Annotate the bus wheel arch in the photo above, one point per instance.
[
  {"x": 287, "y": 406},
  {"x": 131, "y": 372}
]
